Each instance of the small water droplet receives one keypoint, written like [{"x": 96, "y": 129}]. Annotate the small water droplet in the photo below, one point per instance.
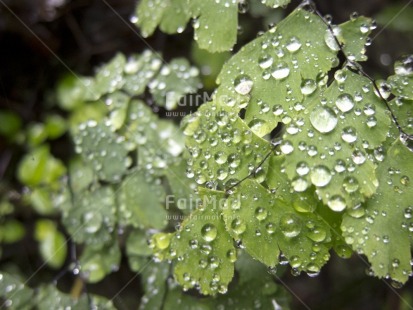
[
  {"x": 337, "y": 203},
  {"x": 308, "y": 87},
  {"x": 280, "y": 71},
  {"x": 209, "y": 232},
  {"x": 290, "y": 225},
  {"x": 345, "y": 102}
]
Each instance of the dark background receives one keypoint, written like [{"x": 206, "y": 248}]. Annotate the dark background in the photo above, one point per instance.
[{"x": 41, "y": 39}]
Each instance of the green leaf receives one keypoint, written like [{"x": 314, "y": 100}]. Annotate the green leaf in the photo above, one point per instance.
[
  {"x": 203, "y": 250},
  {"x": 71, "y": 92},
  {"x": 97, "y": 263},
  {"x": 215, "y": 25},
  {"x": 141, "y": 198},
  {"x": 174, "y": 81},
  {"x": 55, "y": 126},
  {"x": 183, "y": 188},
  {"x": 270, "y": 76},
  {"x": 266, "y": 225},
  {"x": 140, "y": 70},
  {"x": 384, "y": 233},
  {"x": 103, "y": 150},
  {"x": 137, "y": 249},
  {"x": 41, "y": 200},
  {"x": 52, "y": 243},
  {"x": 108, "y": 78},
  {"x": 92, "y": 217},
  {"x": 154, "y": 282},
  {"x": 14, "y": 292},
  {"x": 328, "y": 144},
  {"x": 40, "y": 167},
  {"x": 36, "y": 134},
  {"x": 222, "y": 147},
  {"x": 275, "y": 3},
  {"x": 353, "y": 34},
  {"x": 11, "y": 231},
  {"x": 81, "y": 175},
  {"x": 10, "y": 123},
  {"x": 402, "y": 82}
]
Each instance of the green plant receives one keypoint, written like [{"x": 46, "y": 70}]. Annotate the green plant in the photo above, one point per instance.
[{"x": 299, "y": 152}]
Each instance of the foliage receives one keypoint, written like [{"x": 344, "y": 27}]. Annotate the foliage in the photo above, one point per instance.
[{"x": 297, "y": 153}]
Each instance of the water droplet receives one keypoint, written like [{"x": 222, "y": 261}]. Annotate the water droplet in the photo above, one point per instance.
[
  {"x": 243, "y": 84},
  {"x": 408, "y": 212},
  {"x": 384, "y": 89},
  {"x": 336, "y": 203},
  {"x": 293, "y": 45},
  {"x": 320, "y": 176},
  {"x": 286, "y": 147},
  {"x": 371, "y": 121},
  {"x": 323, "y": 119},
  {"x": 290, "y": 225},
  {"x": 299, "y": 184},
  {"x": 238, "y": 226},
  {"x": 364, "y": 28},
  {"x": 270, "y": 228},
  {"x": 280, "y": 71},
  {"x": 232, "y": 255},
  {"x": 349, "y": 135},
  {"x": 209, "y": 232},
  {"x": 350, "y": 184},
  {"x": 317, "y": 234},
  {"x": 330, "y": 40},
  {"x": 345, "y": 102},
  {"x": 265, "y": 61},
  {"x": 308, "y": 87},
  {"x": 404, "y": 66},
  {"x": 302, "y": 168},
  {"x": 358, "y": 157},
  {"x": 261, "y": 213}
]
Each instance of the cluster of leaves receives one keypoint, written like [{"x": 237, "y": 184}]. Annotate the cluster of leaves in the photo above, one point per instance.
[
  {"x": 338, "y": 178},
  {"x": 335, "y": 179}
]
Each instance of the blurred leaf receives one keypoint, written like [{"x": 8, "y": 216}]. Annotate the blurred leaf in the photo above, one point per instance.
[
  {"x": 141, "y": 199},
  {"x": 41, "y": 200},
  {"x": 10, "y": 123},
  {"x": 71, "y": 92},
  {"x": 55, "y": 126},
  {"x": 103, "y": 150},
  {"x": 97, "y": 263},
  {"x": 11, "y": 231},
  {"x": 36, "y": 134},
  {"x": 81, "y": 175},
  {"x": 40, "y": 167},
  {"x": 14, "y": 293},
  {"x": 154, "y": 283},
  {"x": 52, "y": 243}
]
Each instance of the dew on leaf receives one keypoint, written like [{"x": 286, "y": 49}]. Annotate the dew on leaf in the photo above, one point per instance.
[
  {"x": 290, "y": 225},
  {"x": 243, "y": 84},
  {"x": 299, "y": 184},
  {"x": 345, "y": 102},
  {"x": 350, "y": 184},
  {"x": 286, "y": 147},
  {"x": 349, "y": 134},
  {"x": 408, "y": 212},
  {"x": 238, "y": 226},
  {"x": 261, "y": 213},
  {"x": 293, "y": 44},
  {"x": 371, "y": 121},
  {"x": 323, "y": 119},
  {"x": 308, "y": 87},
  {"x": 265, "y": 61},
  {"x": 404, "y": 66},
  {"x": 302, "y": 168},
  {"x": 209, "y": 232},
  {"x": 277, "y": 110},
  {"x": 280, "y": 71},
  {"x": 337, "y": 203},
  {"x": 384, "y": 89},
  {"x": 330, "y": 40},
  {"x": 320, "y": 176},
  {"x": 358, "y": 157}
]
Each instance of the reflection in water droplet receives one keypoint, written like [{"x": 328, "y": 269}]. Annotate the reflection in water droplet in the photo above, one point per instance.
[
  {"x": 323, "y": 119},
  {"x": 265, "y": 61},
  {"x": 404, "y": 66},
  {"x": 280, "y": 71},
  {"x": 320, "y": 176},
  {"x": 243, "y": 84},
  {"x": 308, "y": 87},
  {"x": 337, "y": 203},
  {"x": 349, "y": 135},
  {"x": 293, "y": 45},
  {"x": 290, "y": 225},
  {"x": 209, "y": 232},
  {"x": 345, "y": 102}
]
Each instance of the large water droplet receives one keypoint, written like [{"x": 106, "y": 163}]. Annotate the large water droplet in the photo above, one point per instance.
[
  {"x": 293, "y": 45},
  {"x": 323, "y": 119},
  {"x": 261, "y": 213},
  {"x": 265, "y": 61},
  {"x": 404, "y": 66},
  {"x": 308, "y": 87},
  {"x": 280, "y": 71},
  {"x": 330, "y": 40},
  {"x": 350, "y": 184},
  {"x": 243, "y": 84},
  {"x": 290, "y": 225},
  {"x": 320, "y": 176},
  {"x": 238, "y": 226},
  {"x": 349, "y": 135},
  {"x": 209, "y": 232},
  {"x": 345, "y": 102},
  {"x": 337, "y": 203}
]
